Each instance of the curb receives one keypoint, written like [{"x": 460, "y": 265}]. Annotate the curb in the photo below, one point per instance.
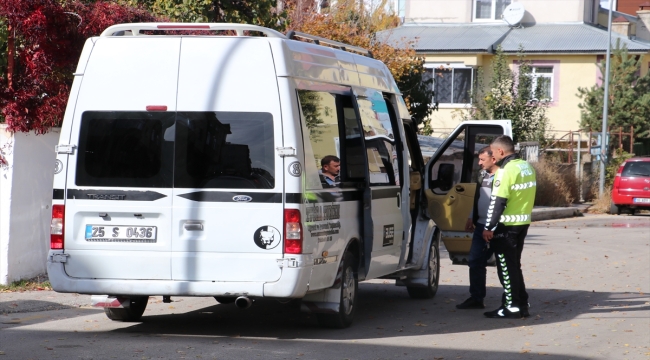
[{"x": 541, "y": 214}]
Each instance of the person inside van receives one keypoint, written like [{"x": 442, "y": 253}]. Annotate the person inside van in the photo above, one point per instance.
[{"x": 330, "y": 168}]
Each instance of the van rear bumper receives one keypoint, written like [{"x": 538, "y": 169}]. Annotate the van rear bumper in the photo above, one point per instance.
[{"x": 293, "y": 283}]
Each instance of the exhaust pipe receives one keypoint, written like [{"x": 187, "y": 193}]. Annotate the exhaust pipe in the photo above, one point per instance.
[{"x": 243, "y": 302}]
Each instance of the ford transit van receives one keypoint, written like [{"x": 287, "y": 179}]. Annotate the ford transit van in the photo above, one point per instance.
[{"x": 191, "y": 162}]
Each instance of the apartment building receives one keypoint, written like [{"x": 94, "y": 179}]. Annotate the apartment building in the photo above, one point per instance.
[{"x": 561, "y": 39}]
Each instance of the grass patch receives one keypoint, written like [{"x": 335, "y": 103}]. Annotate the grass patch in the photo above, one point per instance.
[{"x": 38, "y": 283}]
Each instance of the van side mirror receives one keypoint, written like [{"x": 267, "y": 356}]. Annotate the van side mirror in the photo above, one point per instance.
[{"x": 445, "y": 178}]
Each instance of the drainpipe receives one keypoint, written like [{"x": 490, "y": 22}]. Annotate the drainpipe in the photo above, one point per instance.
[{"x": 579, "y": 168}]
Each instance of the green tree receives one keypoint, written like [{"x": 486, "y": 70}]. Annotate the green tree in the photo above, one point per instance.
[
  {"x": 349, "y": 22},
  {"x": 257, "y": 12},
  {"x": 629, "y": 96},
  {"x": 511, "y": 96}
]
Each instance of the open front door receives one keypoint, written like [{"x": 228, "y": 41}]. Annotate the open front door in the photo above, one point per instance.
[{"x": 450, "y": 182}]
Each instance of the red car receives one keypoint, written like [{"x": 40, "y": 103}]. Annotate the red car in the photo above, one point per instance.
[{"x": 631, "y": 190}]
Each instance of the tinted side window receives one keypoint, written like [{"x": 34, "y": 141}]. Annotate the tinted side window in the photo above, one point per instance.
[
  {"x": 220, "y": 150},
  {"x": 381, "y": 151},
  {"x": 125, "y": 149},
  {"x": 320, "y": 116}
]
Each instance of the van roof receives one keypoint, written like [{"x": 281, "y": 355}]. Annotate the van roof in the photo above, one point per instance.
[{"x": 336, "y": 63}]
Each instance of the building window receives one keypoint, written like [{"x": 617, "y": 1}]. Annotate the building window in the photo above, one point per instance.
[
  {"x": 542, "y": 82},
  {"x": 489, "y": 9},
  {"x": 451, "y": 85}
]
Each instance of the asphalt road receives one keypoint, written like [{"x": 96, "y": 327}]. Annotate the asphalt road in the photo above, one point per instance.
[{"x": 588, "y": 280}]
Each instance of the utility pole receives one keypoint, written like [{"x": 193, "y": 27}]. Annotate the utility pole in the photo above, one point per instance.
[{"x": 603, "y": 137}]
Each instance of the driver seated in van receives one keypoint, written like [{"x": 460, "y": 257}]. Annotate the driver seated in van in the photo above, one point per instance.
[{"x": 329, "y": 174}]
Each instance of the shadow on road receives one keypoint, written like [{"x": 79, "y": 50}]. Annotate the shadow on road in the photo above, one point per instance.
[
  {"x": 22, "y": 306},
  {"x": 386, "y": 311}
]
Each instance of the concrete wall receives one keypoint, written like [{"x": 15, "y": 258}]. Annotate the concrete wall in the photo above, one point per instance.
[
  {"x": 25, "y": 203},
  {"x": 537, "y": 11}
]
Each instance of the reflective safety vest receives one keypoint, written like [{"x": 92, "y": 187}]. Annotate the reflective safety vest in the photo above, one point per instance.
[{"x": 516, "y": 183}]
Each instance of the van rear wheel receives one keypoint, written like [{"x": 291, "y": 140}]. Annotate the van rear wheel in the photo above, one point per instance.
[
  {"x": 433, "y": 277},
  {"x": 348, "y": 298},
  {"x": 132, "y": 313}
]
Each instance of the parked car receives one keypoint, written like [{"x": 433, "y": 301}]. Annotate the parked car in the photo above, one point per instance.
[{"x": 631, "y": 190}]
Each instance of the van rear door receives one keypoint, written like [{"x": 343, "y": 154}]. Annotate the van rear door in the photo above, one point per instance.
[
  {"x": 118, "y": 187},
  {"x": 228, "y": 195}
]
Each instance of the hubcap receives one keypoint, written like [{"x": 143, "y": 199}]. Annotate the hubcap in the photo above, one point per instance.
[{"x": 347, "y": 293}]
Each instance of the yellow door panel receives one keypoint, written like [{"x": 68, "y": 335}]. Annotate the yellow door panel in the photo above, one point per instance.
[
  {"x": 450, "y": 212},
  {"x": 416, "y": 184}
]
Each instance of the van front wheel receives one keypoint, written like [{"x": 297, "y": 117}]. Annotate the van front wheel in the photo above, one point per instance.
[
  {"x": 433, "y": 273},
  {"x": 132, "y": 313},
  {"x": 348, "y": 298}
]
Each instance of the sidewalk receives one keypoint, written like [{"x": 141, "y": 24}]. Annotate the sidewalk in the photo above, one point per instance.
[
  {"x": 541, "y": 213},
  {"x": 46, "y": 300}
]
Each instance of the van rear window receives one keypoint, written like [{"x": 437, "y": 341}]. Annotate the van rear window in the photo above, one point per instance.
[
  {"x": 214, "y": 150},
  {"x": 220, "y": 150},
  {"x": 125, "y": 149}
]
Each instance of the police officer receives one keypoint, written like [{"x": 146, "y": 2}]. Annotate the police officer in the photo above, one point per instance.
[
  {"x": 508, "y": 219},
  {"x": 480, "y": 252}
]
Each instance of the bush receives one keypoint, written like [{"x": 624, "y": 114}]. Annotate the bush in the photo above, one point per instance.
[
  {"x": 601, "y": 204},
  {"x": 556, "y": 184}
]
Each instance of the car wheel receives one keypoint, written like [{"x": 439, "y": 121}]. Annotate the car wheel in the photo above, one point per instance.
[
  {"x": 348, "y": 300},
  {"x": 614, "y": 210},
  {"x": 225, "y": 299},
  {"x": 434, "y": 273},
  {"x": 132, "y": 313}
]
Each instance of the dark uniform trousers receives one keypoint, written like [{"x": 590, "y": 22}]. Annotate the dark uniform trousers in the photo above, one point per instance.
[{"x": 508, "y": 243}]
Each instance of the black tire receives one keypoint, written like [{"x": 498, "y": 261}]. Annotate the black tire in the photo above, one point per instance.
[
  {"x": 225, "y": 299},
  {"x": 614, "y": 210},
  {"x": 429, "y": 291},
  {"x": 348, "y": 299},
  {"x": 132, "y": 313}
]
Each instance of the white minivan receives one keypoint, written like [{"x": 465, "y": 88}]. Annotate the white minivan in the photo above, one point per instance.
[{"x": 189, "y": 164}]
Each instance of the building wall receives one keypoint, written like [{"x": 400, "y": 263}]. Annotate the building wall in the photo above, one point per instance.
[
  {"x": 537, "y": 11},
  {"x": 629, "y": 6},
  {"x": 570, "y": 73},
  {"x": 25, "y": 203},
  {"x": 439, "y": 11}
]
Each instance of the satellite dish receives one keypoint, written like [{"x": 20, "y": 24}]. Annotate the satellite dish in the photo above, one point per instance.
[{"x": 514, "y": 13}]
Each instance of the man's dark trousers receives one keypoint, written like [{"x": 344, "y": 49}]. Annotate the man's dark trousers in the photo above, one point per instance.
[
  {"x": 508, "y": 243},
  {"x": 479, "y": 254}
]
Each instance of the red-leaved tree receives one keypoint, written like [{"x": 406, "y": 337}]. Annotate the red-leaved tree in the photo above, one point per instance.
[{"x": 46, "y": 39}]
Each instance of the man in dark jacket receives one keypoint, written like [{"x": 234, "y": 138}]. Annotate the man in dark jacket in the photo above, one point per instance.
[{"x": 480, "y": 252}]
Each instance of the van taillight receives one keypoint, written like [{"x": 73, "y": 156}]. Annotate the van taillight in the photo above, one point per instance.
[
  {"x": 57, "y": 227},
  {"x": 292, "y": 232}
]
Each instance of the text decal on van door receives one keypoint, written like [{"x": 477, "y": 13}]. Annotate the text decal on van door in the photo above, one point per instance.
[
  {"x": 267, "y": 237},
  {"x": 389, "y": 235}
]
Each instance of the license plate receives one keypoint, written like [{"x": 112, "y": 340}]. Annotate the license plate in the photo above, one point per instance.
[
  {"x": 642, "y": 200},
  {"x": 103, "y": 233}
]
